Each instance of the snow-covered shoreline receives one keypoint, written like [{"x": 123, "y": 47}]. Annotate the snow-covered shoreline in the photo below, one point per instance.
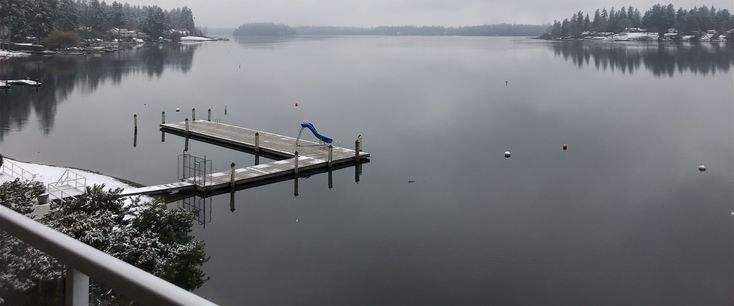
[
  {"x": 46, "y": 174},
  {"x": 12, "y": 54},
  {"x": 195, "y": 38},
  {"x": 50, "y": 174}
]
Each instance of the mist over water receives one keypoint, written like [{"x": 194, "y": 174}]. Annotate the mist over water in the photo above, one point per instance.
[{"x": 439, "y": 216}]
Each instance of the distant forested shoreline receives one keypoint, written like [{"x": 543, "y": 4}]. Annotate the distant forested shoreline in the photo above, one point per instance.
[
  {"x": 35, "y": 21},
  {"x": 663, "y": 22},
  {"x": 273, "y": 29}
]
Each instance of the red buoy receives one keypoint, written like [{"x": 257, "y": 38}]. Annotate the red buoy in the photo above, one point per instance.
[{"x": 565, "y": 147}]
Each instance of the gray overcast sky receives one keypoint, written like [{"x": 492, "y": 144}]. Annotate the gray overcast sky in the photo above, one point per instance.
[{"x": 232, "y": 13}]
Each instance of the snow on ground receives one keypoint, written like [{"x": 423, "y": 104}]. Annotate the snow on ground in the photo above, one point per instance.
[
  {"x": 51, "y": 174},
  {"x": 195, "y": 38},
  {"x": 4, "y": 53}
]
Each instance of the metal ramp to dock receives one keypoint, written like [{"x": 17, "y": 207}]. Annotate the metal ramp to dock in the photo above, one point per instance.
[
  {"x": 293, "y": 159},
  {"x": 14, "y": 170},
  {"x": 157, "y": 189},
  {"x": 71, "y": 184}
]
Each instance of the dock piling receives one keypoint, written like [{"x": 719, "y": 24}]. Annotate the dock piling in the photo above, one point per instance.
[
  {"x": 209, "y": 115},
  {"x": 295, "y": 163},
  {"x": 231, "y": 201},
  {"x": 135, "y": 122},
  {"x": 193, "y": 114},
  {"x": 231, "y": 178},
  {"x": 257, "y": 143},
  {"x": 163, "y": 117},
  {"x": 331, "y": 155},
  {"x": 295, "y": 187},
  {"x": 187, "y": 126},
  {"x": 356, "y": 149}
]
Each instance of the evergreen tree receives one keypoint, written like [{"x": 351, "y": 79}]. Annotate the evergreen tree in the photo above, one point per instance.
[
  {"x": 96, "y": 16},
  {"x": 156, "y": 22},
  {"x": 44, "y": 15},
  {"x": 596, "y": 23},
  {"x": 117, "y": 16},
  {"x": 67, "y": 17},
  {"x": 604, "y": 22}
]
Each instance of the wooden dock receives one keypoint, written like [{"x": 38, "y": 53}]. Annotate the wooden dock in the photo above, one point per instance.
[
  {"x": 312, "y": 157},
  {"x": 269, "y": 144}
]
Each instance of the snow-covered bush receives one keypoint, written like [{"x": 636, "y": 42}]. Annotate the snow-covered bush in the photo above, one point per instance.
[{"x": 147, "y": 235}]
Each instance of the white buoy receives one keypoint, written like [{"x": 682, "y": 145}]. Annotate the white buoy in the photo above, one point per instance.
[
  {"x": 701, "y": 168},
  {"x": 178, "y": 109},
  {"x": 507, "y": 154}
]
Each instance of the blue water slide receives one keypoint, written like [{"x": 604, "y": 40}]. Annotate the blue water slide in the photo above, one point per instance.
[{"x": 309, "y": 125}]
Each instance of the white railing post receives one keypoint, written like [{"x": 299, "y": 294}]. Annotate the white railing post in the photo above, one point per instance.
[{"x": 77, "y": 288}]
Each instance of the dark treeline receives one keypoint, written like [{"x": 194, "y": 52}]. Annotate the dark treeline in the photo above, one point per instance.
[
  {"x": 659, "y": 59},
  {"x": 20, "y": 19},
  {"x": 272, "y": 29},
  {"x": 658, "y": 19}
]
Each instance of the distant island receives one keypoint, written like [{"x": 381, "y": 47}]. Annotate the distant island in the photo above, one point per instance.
[
  {"x": 661, "y": 22},
  {"x": 273, "y": 29}
]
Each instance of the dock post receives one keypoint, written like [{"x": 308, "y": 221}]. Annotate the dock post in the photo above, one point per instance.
[
  {"x": 295, "y": 163},
  {"x": 193, "y": 114},
  {"x": 231, "y": 177},
  {"x": 331, "y": 151},
  {"x": 187, "y": 127},
  {"x": 257, "y": 143},
  {"x": 295, "y": 187},
  {"x": 209, "y": 115},
  {"x": 231, "y": 201},
  {"x": 135, "y": 122},
  {"x": 356, "y": 150},
  {"x": 163, "y": 117}
]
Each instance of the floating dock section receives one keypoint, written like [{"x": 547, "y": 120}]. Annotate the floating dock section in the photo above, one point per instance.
[
  {"x": 312, "y": 156},
  {"x": 27, "y": 82}
]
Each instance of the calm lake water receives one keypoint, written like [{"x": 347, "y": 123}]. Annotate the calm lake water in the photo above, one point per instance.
[{"x": 439, "y": 216}]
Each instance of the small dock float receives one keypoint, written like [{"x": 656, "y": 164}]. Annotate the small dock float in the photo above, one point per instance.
[
  {"x": 311, "y": 157},
  {"x": 25, "y": 82}
]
